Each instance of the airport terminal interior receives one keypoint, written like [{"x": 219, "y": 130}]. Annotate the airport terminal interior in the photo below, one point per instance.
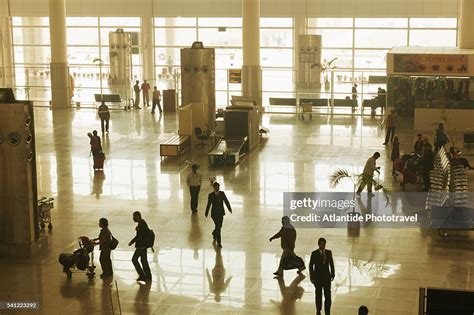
[{"x": 275, "y": 100}]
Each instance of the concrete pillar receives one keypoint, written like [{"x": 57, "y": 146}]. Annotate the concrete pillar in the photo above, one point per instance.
[
  {"x": 466, "y": 25},
  {"x": 147, "y": 50},
  {"x": 300, "y": 28},
  {"x": 7, "y": 71},
  {"x": 251, "y": 70},
  {"x": 59, "y": 66}
]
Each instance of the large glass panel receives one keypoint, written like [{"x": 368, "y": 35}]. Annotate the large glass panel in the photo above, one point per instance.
[
  {"x": 277, "y": 80},
  {"x": 30, "y": 21},
  {"x": 433, "y": 38},
  {"x": 82, "y": 21},
  {"x": 234, "y": 22},
  {"x": 433, "y": 23},
  {"x": 32, "y": 54},
  {"x": 276, "y": 37},
  {"x": 382, "y": 22},
  {"x": 229, "y": 58},
  {"x": 119, "y": 21},
  {"x": 276, "y": 22},
  {"x": 82, "y": 55},
  {"x": 175, "y": 36},
  {"x": 334, "y": 37},
  {"x": 221, "y": 99},
  {"x": 221, "y": 79},
  {"x": 82, "y": 36},
  {"x": 330, "y": 22},
  {"x": 214, "y": 37},
  {"x": 104, "y": 33},
  {"x": 344, "y": 57},
  {"x": 178, "y": 21},
  {"x": 370, "y": 59},
  {"x": 380, "y": 38},
  {"x": 31, "y": 36},
  {"x": 162, "y": 55},
  {"x": 273, "y": 57}
]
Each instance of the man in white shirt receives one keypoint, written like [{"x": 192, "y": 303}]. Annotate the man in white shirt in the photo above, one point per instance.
[
  {"x": 368, "y": 174},
  {"x": 194, "y": 181}
]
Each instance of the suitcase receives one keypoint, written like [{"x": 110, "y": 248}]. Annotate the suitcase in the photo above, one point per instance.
[{"x": 99, "y": 161}]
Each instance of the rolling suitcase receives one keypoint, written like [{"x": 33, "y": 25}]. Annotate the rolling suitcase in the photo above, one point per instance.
[{"x": 99, "y": 161}]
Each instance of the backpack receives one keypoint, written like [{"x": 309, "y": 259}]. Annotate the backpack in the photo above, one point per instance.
[
  {"x": 113, "y": 242},
  {"x": 150, "y": 239}
]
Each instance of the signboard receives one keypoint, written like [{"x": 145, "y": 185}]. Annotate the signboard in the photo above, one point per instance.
[
  {"x": 431, "y": 63},
  {"x": 235, "y": 76}
]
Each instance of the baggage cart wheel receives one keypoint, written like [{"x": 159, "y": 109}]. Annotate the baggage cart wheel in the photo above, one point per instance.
[
  {"x": 42, "y": 225},
  {"x": 50, "y": 226}
]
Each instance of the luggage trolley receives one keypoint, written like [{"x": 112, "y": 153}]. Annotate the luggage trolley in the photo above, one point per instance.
[
  {"x": 44, "y": 212},
  {"x": 82, "y": 259}
]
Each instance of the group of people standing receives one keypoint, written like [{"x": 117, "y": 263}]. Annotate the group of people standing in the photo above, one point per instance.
[{"x": 144, "y": 89}]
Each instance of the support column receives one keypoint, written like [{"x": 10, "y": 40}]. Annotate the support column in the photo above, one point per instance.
[
  {"x": 59, "y": 66},
  {"x": 147, "y": 50},
  {"x": 251, "y": 70},
  {"x": 7, "y": 71},
  {"x": 466, "y": 25}
]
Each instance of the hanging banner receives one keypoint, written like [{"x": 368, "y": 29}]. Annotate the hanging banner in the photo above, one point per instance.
[{"x": 431, "y": 63}]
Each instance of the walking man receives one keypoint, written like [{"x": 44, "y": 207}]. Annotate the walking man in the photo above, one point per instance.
[
  {"x": 136, "y": 90},
  {"x": 194, "y": 181},
  {"x": 216, "y": 199},
  {"x": 321, "y": 272},
  {"x": 145, "y": 89},
  {"x": 156, "y": 100},
  {"x": 368, "y": 174},
  {"x": 104, "y": 240},
  {"x": 287, "y": 234},
  {"x": 390, "y": 126},
  {"x": 144, "y": 273},
  {"x": 104, "y": 116}
]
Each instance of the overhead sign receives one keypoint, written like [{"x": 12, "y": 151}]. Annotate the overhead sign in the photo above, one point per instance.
[
  {"x": 235, "y": 76},
  {"x": 431, "y": 63}
]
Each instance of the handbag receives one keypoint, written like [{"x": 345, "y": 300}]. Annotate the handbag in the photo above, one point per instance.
[{"x": 113, "y": 242}]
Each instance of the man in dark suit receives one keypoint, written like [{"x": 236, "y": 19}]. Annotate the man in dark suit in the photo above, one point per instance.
[
  {"x": 217, "y": 199},
  {"x": 321, "y": 271}
]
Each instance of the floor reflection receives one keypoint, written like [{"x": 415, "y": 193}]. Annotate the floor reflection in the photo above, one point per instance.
[{"x": 218, "y": 284}]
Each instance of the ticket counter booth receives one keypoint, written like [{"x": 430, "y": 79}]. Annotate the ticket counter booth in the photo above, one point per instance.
[{"x": 432, "y": 85}]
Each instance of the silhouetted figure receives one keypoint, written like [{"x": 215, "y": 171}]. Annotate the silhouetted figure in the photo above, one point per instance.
[
  {"x": 441, "y": 138},
  {"x": 96, "y": 144},
  {"x": 418, "y": 146},
  {"x": 104, "y": 116},
  {"x": 104, "y": 240},
  {"x": 390, "y": 126},
  {"x": 426, "y": 164},
  {"x": 322, "y": 272},
  {"x": 216, "y": 199},
  {"x": 287, "y": 235},
  {"x": 146, "y": 96},
  {"x": 368, "y": 174},
  {"x": 194, "y": 181},
  {"x": 144, "y": 273},
  {"x": 136, "y": 90},
  {"x": 156, "y": 99}
]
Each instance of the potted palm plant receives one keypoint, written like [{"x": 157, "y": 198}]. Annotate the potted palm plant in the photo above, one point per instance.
[{"x": 357, "y": 179}]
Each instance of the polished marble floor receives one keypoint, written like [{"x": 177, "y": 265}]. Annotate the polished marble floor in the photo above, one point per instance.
[{"x": 382, "y": 268}]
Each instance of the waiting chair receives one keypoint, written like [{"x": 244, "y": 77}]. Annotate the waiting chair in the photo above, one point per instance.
[{"x": 201, "y": 136}]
